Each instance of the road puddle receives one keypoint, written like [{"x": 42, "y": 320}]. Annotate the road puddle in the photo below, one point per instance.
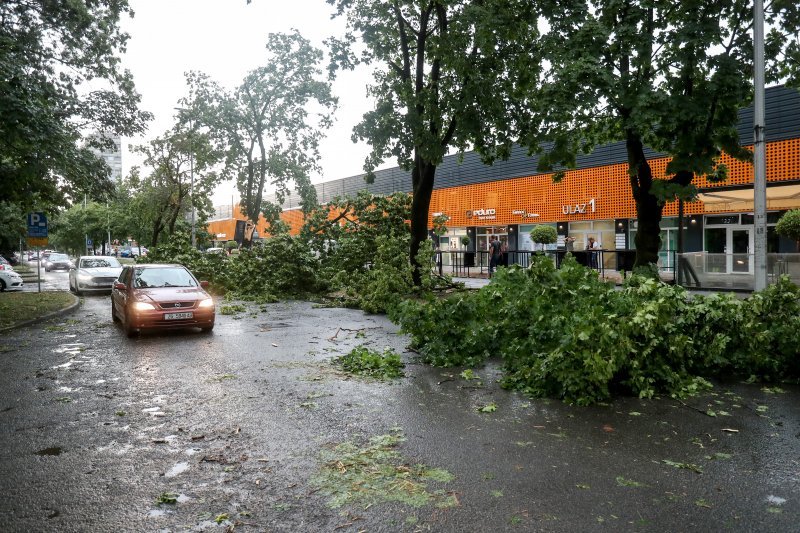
[
  {"x": 776, "y": 500},
  {"x": 71, "y": 348},
  {"x": 177, "y": 469}
]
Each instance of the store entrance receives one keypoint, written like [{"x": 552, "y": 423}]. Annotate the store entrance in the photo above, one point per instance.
[
  {"x": 484, "y": 235},
  {"x": 735, "y": 242}
]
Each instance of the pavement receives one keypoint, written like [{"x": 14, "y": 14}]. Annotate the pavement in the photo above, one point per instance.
[{"x": 239, "y": 425}]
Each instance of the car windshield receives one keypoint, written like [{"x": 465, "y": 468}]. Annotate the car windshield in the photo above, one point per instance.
[
  {"x": 100, "y": 262},
  {"x": 162, "y": 277},
  {"x": 58, "y": 257}
]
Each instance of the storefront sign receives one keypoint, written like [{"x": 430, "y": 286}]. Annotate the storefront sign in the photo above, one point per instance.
[
  {"x": 221, "y": 235},
  {"x": 524, "y": 214},
  {"x": 578, "y": 208},
  {"x": 482, "y": 214}
]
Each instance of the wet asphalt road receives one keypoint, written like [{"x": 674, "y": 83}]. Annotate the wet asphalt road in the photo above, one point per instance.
[{"x": 94, "y": 427}]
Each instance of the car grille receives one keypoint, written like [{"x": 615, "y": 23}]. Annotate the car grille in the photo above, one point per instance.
[
  {"x": 176, "y": 305},
  {"x": 98, "y": 281}
]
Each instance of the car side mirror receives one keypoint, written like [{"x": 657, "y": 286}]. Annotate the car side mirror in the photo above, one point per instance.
[
  {"x": 204, "y": 284},
  {"x": 120, "y": 286}
]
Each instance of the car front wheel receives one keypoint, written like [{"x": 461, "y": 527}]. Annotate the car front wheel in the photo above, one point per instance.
[{"x": 130, "y": 331}]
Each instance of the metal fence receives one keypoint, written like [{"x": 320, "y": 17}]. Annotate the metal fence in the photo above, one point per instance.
[
  {"x": 703, "y": 270},
  {"x": 462, "y": 263}
]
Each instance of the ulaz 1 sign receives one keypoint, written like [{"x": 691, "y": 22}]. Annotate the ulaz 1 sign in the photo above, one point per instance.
[
  {"x": 577, "y": 208},
  {"x": 482, "y": 214}
]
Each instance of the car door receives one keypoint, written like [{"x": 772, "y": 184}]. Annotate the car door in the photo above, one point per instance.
[{"x": 120, "y": 298}]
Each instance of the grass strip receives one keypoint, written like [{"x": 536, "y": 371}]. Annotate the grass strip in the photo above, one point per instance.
[{"x": 18, "y": 307}]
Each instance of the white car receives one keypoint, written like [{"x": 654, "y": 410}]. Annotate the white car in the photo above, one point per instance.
[
  {"x": 94, "y": 273},
  {"x": 10, "y": 280}
]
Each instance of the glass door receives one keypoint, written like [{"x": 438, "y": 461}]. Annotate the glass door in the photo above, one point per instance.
[{"x": 740, "y": 243}]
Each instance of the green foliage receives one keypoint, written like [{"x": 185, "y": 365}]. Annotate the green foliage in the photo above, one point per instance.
[
  {"x": 231, "y": 245},
  {"x": 48, "y": 51},
  {"x": 468, "y": 342},
  {"x": 564, "y": 333},
  {"x": 542, "y": 234},
  {"x": 651, "y": 74},
  {"x": 265, "y": 127},
  {"x": 789, "y": 225},
  {"x": 365, "y": 362},
  {"x": 446, "y": 76},
  {"x": 464, "y": 240}
]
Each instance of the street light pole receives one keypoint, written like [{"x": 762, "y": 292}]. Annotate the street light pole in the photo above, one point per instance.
[{"x": 759, "y": 152}]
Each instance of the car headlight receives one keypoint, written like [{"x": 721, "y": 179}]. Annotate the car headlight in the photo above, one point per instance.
[
  {"x": 143, "y": 306},
  {"x": 84, "y": 276},
  {"x": 208, "y": 302}
]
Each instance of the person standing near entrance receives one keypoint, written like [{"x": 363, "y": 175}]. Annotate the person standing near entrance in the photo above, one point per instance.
[
  {"x": 592, "y": 246},
  {"x": 494, "y": 254}
]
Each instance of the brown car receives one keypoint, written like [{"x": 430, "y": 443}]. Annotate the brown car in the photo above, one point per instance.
[{"x": 160, "y": 297}]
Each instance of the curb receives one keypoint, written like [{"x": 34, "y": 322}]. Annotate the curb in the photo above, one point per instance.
[{"x": 66, "y": 310}]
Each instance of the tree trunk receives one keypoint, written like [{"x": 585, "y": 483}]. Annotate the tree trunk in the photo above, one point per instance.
[
  {"x": 422, "y": 176},
  {"x": 648, "y": 208}
]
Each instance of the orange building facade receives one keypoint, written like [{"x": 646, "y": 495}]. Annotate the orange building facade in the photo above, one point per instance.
[{"x": 595, "y": 200}]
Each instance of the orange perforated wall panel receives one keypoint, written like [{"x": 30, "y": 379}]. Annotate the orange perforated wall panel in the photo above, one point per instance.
[{"x": 609, "y": 186}]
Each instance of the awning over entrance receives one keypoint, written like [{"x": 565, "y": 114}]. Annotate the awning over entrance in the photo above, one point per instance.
[{"x": 778, "y": 197}]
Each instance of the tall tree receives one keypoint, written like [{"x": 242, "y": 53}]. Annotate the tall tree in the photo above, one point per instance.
[
  {"x": 448, "y": 75},
  {"x": 48, "y": 52},
  {"x": 270, "y": 126},
  {"x": 165, "y": 196},
  {"x": 661, "y": 74}
]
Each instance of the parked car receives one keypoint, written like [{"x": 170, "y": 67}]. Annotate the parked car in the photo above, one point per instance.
[
  {"x": 9, "y": 280},
  {"x": 4, "y": 264},
  {"x": 215, "y": 251},
  {"x": 56, "y": 261},
  {"x": 94, "y": 273},
  {"x": 133, "y": 251},
  {"x": 160, "y": 297}
]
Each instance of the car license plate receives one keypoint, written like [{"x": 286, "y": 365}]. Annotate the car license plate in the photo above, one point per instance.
[{"x": 177, "y": 316}]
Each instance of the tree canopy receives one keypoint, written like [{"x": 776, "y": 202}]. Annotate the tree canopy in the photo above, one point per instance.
[
  {"x": 447, "y": 75},
  {"x": 270, "y": 126},
  {"x": 670, "y": 76},
  {"x": 49, "y": 52}
]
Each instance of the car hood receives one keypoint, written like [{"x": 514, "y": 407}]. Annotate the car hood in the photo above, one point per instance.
[
  {"x": 101, "y": 272},
  {"x": 171, "y": 294}
]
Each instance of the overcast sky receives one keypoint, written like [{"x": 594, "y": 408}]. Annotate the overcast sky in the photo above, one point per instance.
[{"x": 226, "y": 39}]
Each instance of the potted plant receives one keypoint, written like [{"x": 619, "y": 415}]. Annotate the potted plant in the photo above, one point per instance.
[
  {"x": 789, "y": 225},
  {"x": 542, "y": 235},
  {"x": 464, "y": 241}
]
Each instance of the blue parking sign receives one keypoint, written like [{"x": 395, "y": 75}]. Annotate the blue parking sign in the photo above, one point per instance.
[{"x": 37, "y": 225}]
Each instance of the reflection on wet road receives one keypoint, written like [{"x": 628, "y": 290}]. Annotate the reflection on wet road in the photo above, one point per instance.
[{"x": 180, "y": 430}]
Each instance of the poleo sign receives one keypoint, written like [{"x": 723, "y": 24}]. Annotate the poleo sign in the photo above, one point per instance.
[{"x": 37, "y": 229}]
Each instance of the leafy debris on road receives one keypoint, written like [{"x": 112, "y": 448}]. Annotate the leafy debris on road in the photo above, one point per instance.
[
  {"x": 169, "y": 498},
  {"x": 684, "y": 466},
  {"x": 377, "y": 473}
]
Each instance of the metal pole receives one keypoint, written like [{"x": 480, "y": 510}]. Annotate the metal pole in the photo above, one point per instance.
[
  {"x": 759, "y": 151},
  {"x": 108, "y": 228},
  {"x": 85, "y": 235}
]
